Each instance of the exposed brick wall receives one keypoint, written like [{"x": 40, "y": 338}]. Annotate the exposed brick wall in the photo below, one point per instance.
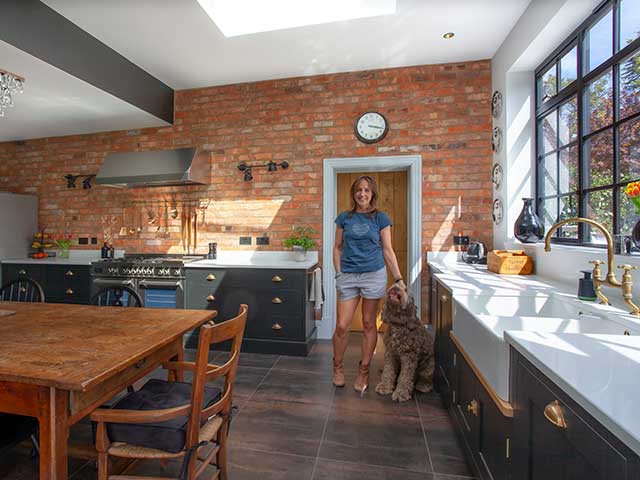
[{"x": 441, "y": 112}]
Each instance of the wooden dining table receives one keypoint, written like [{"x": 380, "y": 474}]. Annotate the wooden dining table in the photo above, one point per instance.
[{"x": 60, "y": 362}]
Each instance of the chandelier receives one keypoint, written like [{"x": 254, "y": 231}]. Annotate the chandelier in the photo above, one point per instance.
[{"x": 10, "y": 84}]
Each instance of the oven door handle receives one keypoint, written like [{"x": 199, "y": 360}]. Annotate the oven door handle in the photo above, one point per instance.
[
  {"x": 159, "y": 283},
  {"x": 104, "y": 281}
]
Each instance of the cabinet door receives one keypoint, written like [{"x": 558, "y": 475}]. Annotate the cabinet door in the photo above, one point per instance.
[
  {"x": 467, "y": 406},
  {"x": 444, "y": 356},
  {"x": 68, "y": 283},
  {"x": 570, "y": 449},
  {"x": 13, "y": 271}
]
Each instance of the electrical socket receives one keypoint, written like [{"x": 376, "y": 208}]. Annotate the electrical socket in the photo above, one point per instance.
[
  {"x": 461, "y": 240},
  {"x": 245, "y": 240},
  {"x": 262, "y": 240},
  {"x": 94, "y": 240},
  {"x": 83, "y": 240}
]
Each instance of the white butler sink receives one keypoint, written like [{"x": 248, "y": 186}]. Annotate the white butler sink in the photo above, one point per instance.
[{"x": 479, "y": 324}]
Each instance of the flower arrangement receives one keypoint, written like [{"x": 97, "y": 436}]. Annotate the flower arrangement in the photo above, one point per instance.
[
  {"x": 300, "y": 237},
  {"x": 63, "y": 242},
  {"x": 633, "y": 192}
]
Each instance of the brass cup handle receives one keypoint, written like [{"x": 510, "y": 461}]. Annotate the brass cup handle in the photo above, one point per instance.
[
  {"x": 69, "y": 291},
  {"x": 211, "y": 277},
  {"x": 276, "y": 300},
  {"x": 276, "y": 326},
  {"x": 276, "y": 279},
  {"x": 22, "y": 272},
  {"x": 473, "y": 407},
  {"x": 553, "y": 413},
  {"x": 210, "y": 298},
  {"x": 69, "y": 273}
]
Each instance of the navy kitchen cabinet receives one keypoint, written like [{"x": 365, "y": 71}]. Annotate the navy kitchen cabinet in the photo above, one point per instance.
[{"x": 61, "y": 283}]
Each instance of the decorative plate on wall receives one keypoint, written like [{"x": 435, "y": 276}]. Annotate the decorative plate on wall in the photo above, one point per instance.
[
  {"x": 498, "y": 211},
  {"x": 496, "y": 139},
  {"x": 496, "y": 175},
  {"x": 496, "y": 104}
]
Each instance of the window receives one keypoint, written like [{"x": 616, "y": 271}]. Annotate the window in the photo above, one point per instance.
[{"x": 588, "y": 125}]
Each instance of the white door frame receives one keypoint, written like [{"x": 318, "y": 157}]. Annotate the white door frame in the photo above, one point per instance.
[{"x": 330, "y": 170}]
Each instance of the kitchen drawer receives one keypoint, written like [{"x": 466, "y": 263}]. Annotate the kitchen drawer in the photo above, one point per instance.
[
  {"x": 267, "y": 280},
  {"x": 282, "y": 302},
  {"x": 68, "y": 283},
  {"x": 204, "y": 278},
  {"x": 13, "y": 271},
  {"x": 204, "y": 299},
  {"x": 276, "y": 326}
]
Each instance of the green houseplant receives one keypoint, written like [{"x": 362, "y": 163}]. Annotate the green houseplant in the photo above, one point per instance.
[{"x": 300, "y": 241}]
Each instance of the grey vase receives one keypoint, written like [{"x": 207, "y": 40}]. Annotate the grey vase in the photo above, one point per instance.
[{"x": 528, "y": 227}]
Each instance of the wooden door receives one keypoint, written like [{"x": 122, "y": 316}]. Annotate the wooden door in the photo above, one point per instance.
[{"x": 392, "y": 199}]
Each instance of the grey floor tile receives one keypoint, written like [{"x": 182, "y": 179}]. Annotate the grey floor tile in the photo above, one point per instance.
[
  {"x": 446, "y": 452},
  {"x": 331, "y": 470},
  {"x": 290, "y": 386},
  {"x": 371, "y": 402},
  {"x": 375, "y": 439},
  {"x": 431, "y": 405},
  {"x": 246, "y": 464}
]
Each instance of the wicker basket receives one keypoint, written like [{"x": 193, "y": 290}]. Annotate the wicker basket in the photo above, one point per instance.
[{"x": 509, "y": 262}]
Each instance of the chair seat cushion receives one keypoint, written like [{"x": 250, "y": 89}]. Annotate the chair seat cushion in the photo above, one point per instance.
[{"x": 156, "y": 395}]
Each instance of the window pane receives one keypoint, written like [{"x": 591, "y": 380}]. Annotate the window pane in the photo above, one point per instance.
[
  {"x": 568, "y": 181},
  {"x": 568, "y": 122},
  {"x": 549, "y": 212},
  {"x": 628, "y": 216},
  {"x": 548, "y": 86},
  {"x": 600, "y": 209},
  {"x": 630, "y": 85},
  {"x": 549, "y": 175},
  {"x": 598, "y": 154},
  {"x": 598, "y": 103},
  {"x": 568, "y": 209},
  {"x": 598, "y": 42},
  {"x": 549, "y": 130},
  {"x": 629, "y": 22},
  {"x": 630, "y": 150},
  {"x": 569, "y": 68}
]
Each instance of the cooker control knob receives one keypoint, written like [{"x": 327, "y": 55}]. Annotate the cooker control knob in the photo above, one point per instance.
[{"x": 177, "y": 272}]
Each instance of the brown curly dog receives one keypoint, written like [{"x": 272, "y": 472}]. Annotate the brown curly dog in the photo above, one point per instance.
[{"x": 408, "y": 357}]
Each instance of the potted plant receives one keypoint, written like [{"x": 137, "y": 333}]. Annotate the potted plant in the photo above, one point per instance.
[
  {"x": 63, "y": 242},
  {"x": 300, "y": 241}
]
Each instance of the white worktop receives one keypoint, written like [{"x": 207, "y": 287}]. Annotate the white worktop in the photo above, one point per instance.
[
  {"x": 599, "y": 372},
  {"x": 250, "y": 259},
  {"x": 76, "y": 257}
]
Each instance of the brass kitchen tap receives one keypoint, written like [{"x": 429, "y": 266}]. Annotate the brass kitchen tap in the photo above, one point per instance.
[{"x": 598, "y": 281}]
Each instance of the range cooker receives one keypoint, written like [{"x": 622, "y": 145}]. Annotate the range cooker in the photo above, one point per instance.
[{"x": 157, "y": 278}]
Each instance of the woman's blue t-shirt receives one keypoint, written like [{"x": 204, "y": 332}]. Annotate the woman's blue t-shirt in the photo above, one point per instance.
[{"x": 361, "y": 243}]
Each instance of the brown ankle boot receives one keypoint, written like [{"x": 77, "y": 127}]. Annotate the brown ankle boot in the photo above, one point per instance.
[
  {"x": 338, "y": 373},
  {"x": 362, "y": 380}
]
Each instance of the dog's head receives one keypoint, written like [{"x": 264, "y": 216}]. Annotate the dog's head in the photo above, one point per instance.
[{"x": 400, "y": 308}]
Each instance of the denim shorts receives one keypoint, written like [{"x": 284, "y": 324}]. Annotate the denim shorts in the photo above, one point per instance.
[{"x": 369, "y": 285}]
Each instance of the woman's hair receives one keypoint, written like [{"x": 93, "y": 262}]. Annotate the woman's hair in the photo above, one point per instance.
[{"x": 374, "y": 193}]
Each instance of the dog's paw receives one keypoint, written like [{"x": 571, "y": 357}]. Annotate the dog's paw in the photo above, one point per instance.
[
  {"x": 384, "y": 389},
  {"x": 424, "y": 387},
  {"x": 401, "y": 395}
]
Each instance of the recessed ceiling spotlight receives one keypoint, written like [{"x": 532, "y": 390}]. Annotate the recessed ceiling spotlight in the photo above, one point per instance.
[{"x": 448, "y": 35}]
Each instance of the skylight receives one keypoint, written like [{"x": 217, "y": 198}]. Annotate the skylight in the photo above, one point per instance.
[{"x": 244, "y": 17}]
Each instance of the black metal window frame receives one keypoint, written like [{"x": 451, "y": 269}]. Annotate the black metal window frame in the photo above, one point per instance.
[{"x": 577, "y": 90}]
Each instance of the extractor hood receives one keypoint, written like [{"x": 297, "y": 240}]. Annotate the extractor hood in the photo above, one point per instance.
[{"x": 159, "y": 168}]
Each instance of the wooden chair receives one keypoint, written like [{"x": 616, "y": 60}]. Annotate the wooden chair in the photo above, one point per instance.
[
  {"x": 16, "y": 428},
  {"x": 22, "y": 290},
  {"x": 206, "y": 425},
  {"x": 117, "y": 296}
]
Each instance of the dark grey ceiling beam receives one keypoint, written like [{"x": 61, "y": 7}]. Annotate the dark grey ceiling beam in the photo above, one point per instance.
[{"x": 35, "y": 28}]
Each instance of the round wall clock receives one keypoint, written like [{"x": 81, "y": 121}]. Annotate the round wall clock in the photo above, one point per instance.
[
  {"x": 496, "y": 104},
  {"x": 496, "y": 139},
  {"x": 371, "y": 127},
  {"x": 496, "y": 175},
  {"x": 498, "y": 211}
]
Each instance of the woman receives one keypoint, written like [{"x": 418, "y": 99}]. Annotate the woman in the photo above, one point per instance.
[{"x": 362, "y": 248}]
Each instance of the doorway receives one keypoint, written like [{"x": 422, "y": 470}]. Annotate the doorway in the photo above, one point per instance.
[
  {"x": 392, "y": 199},
  {"x": 332, "y": 167}
]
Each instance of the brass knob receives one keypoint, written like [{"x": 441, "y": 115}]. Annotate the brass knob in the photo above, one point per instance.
[
  {"x": 473, "y": 407},
  {"x": 553, "y": 413},
  {"x": 444, "y": 298},
  {"x": 22, "y": 272},
  {"x": 69, "y": 273},
  {"x": 276, "y": 326},
  {"x": 69, "y": 291},
  {"x": 276, "y": 300},
  {"x": 210, "y": 298},
  {"x": 211, "y": 277},
  {"x": 276, "y": 279}
]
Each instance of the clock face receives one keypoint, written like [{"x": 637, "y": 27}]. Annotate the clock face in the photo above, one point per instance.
[{"x": 371, "y": 127}]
